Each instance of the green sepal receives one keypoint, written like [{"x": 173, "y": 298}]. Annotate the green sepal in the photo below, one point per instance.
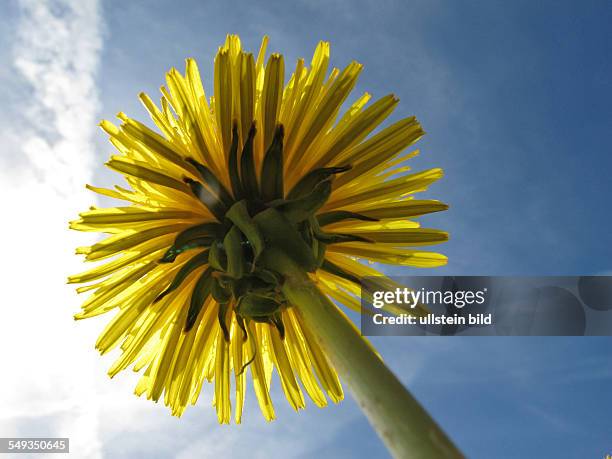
[
  {"x": 277, "y": 320},
  {"x": 195, "y": 236},
  {"x": 222, "y": 317},
  {"x": 336, "y": 238},
  {"x": 306, "y": 230},
  {"x": 275, "y": 202},
  {"x": 240, "y": 287},
  {"x": 212, "y": 202},
  {"x": 213, "y": 182},
  {"x": 257, "y": 307},
  {"x": 251, "y": 360},
  {"x": 338, "y": 271},
  {"x": 308, "y": 183},
  {"x": 201, "y": 291},
  {"x": 217, "y": 258},
  {"x": 318, "y": 249},
  {"x": 251, "y": 284},
  {"x": 318, "y": 246},
  {"x": 272, "y": 186},
  {"x": 220, "y": 293},
  {"x": 269, "y": 277},
  {"x": 232, "y": 243},
  {"x": 175, "y": 250},
  {"x": 204, "y": 230},
  {"x": 193, "y": 263},
  {"x": 224, "y": 280},
  {"x": 300, "y": 209},
  {"x": 336, "y": 216},
  {"x": 239, "y": 216},
  {"x": 247, "y": 167},
  {"x": 245, "y": 335},
  {"x": 280, "y": 233},
  {"x": 232, "y": 165}
]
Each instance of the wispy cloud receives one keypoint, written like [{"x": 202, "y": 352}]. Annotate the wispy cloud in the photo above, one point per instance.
[{"x": 47, "y": 156}]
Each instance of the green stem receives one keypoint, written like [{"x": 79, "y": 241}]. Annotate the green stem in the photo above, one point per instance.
[{"x": 401, "y": 422}]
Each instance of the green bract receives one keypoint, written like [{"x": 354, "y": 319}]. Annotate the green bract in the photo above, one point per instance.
[{"x": 253, "y": 218}]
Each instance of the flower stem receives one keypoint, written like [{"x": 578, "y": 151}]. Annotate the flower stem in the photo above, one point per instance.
[{"x": 401, "y": 422}]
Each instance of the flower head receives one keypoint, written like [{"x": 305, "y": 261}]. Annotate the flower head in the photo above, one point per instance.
[{"x": 263, "y": 166}]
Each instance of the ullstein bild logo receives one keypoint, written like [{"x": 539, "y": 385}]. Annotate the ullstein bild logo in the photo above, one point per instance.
[{"x": 480, "y": 305}]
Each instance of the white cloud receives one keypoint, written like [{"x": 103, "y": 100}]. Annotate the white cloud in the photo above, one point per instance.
[{"x": 47, "y": 156}]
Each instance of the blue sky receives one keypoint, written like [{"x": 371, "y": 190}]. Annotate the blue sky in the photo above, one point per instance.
[{"x": 515, "y": 98}]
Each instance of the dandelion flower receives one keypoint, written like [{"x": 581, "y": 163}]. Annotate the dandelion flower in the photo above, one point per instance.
[{"x": 220, "y": 194}]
